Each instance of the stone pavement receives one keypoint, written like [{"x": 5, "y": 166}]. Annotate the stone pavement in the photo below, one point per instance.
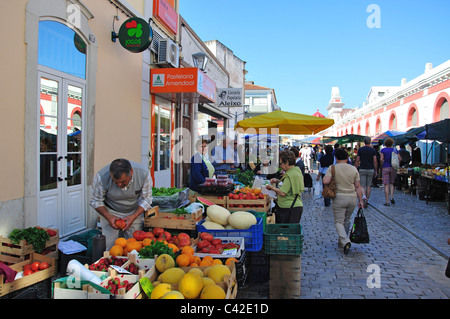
[{"x": 408, "y": 249}]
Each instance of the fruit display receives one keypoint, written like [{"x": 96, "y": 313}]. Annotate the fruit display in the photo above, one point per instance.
[
  {"x": 34, "y": 267},
  {"x": 221, "y": 218},
  {"x": 114, "y": 284},
  {"x": 37, "y": 236},
  {"x": 207, "y": 244},
  {"x": 172, "y": 281},
  {"x": 103, "y": 263}
]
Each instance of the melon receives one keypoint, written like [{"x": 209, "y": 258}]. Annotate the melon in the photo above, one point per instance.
[
  {"x": 242, "y": 220},
  {"x": 212, "y": 292},
  {"x": 171, "y": 275},
  {"x": 204, "y": 201},
  {"x": 218, "y": 214},
  {"x": 212, "y": 225},
  {"x": 190, "y": 285}
]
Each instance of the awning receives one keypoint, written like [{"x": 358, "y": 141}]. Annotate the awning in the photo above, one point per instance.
[{"x": 182, "y": 85}]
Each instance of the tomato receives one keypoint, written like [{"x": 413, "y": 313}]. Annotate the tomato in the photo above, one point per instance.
[
  {"x": 139, "y": 235},
  {"x": 35, "y": 266},
  {"x": 27, "y": 272},
  {"x": 120, "y": 223},
  {"x": 43, "y": 265}
]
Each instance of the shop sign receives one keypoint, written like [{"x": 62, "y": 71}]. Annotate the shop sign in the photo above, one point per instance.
[
  {"x": 182, "y": 80},
  {"x": 166, "y": 14},
  {"x": 135, "y": 35},
  {"x": 232, "y": 97}
]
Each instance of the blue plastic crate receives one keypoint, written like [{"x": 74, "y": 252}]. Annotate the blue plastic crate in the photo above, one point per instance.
[{"x": 253, "y": 237}]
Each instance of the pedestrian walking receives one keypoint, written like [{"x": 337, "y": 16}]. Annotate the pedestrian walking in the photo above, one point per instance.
[
  {"x": 325, "y": 162},
  {"x": 367, "y": 164},
  {"x": 388, "y": 171},
  {"x": 347, "y": 193}
]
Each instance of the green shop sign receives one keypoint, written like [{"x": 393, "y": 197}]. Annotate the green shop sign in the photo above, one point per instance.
[{"x": 135, "y": 35}]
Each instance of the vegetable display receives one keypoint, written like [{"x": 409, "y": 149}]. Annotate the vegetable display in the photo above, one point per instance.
[
  {"x": 245, "y": 177},
  {"x": 166, "y": 191},
  {"x": 33, "y": 235}
]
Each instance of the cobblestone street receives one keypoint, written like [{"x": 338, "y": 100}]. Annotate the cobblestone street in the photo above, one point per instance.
[{"x": 408, "y": 242}]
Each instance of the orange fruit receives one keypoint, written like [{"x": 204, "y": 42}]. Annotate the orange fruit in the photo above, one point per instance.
[
  {"x": 257, "y": 191},
  {"x": 131, "y": 240},
  {"x": 205, "y": 262},
  {"x": 134, "y": 245},
  {"x": 197, "y": 259},
  {"x": 146, "y": 242},
  {"x": 174, "y": 247},
  {"x": 116, "y": 250},
  {"x": 229, "y": 260},
  {"x": 208, "y": 258},
  {"x": 193, "y": 265},
  {"x": 217, "y": 262},
  {"x": 187, "y": 250},
  {"x": 191, "y": 257},
  {"x": 121, "y": 242},
  {"x": 182, "y": 260}
]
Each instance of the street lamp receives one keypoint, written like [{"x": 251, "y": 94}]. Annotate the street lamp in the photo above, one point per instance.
[{"x": 200, "y": 60}]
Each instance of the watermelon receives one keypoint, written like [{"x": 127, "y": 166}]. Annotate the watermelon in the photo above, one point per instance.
[{"x": 204, "y": 201}]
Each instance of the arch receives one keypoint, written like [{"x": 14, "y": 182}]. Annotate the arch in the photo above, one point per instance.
[
  {"x": 378, "y": 125},
  {"x": 441, "y": 98},
  {"x": 368, "y": 128},
  {"x": 358, "y": 130},
  {"x": 393, "y": 121},
  {"x": 410, "y": 121}
]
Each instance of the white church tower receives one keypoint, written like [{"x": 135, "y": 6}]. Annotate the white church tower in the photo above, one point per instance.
[{"x": 335, "y": 105}]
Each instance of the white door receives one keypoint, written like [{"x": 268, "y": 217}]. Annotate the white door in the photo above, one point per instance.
[
  {"x": 61, "y": 156},
  {"x": 162, "y": 156}
]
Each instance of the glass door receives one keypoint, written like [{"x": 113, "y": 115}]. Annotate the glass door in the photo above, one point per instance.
[
  {"x": 61, "y": 191},
  {"x": 162, "y": 156}
]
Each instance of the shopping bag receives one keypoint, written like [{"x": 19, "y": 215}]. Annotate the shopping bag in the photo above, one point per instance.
[
  {"x": 395, "y": 163},
  {"x": 318, "y": 189},
  {"x": 359, "y": 233}
]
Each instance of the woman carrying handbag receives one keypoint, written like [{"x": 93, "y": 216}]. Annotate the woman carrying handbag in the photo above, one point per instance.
[{"x": 348, "y": 191}]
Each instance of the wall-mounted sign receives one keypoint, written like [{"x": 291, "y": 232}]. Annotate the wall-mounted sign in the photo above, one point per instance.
[
  {"x": 183, "y": 84},
  {"x": 230, "y": 97},
  {"x": 135, "y": 35},
  {"x": 166, "y": 14}
]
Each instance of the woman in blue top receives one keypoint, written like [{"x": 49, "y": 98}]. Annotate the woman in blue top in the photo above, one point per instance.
[
  {"x": 201, "y": 167},
  {"x": 388, "y": 172}
]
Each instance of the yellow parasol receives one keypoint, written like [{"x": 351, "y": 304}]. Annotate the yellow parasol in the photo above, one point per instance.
[{"x": 286, "y": 122}]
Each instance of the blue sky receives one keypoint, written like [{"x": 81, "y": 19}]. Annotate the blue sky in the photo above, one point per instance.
[{"x": 304, "y": 48}]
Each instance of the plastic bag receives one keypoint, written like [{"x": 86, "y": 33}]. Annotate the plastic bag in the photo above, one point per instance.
[
  {"x": 318, "y": 188},
  {"x": 167, "y": 203}
]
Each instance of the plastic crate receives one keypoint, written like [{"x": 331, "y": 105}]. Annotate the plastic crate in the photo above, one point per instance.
[
  {"x": 283, "y": 239},
  {"x": 253, "y": 237},
  {"x": 263, "y": 215}
]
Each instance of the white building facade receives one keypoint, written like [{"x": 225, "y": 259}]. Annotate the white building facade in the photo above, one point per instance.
[{"x": 420, "y": 101}]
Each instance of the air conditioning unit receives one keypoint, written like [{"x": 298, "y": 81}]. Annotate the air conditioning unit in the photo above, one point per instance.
[{"x": 168, "y": 52}]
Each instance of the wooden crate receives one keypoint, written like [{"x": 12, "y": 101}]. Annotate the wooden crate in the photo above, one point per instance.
[
  {"x": 153, "y": 218},
  {"x": 285, "y": 277},
  {"x": 257, "y": 205},
  {"x": 218, "y": 200},
  {"x": 11, "y": 253},
  {"x": 133, "y": 293},
  {"x": 230, "y": 286},
  {"x": 22, "y": 282}
]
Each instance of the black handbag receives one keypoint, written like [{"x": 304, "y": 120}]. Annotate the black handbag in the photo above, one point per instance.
[{"x": 359, "y": 233}]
